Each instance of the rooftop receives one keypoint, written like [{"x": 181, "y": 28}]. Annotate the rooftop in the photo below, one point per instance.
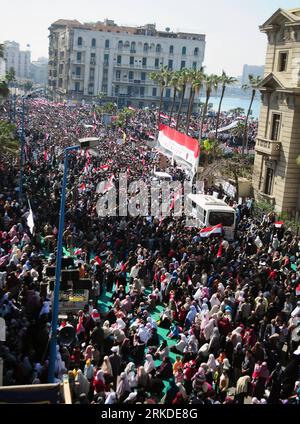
[{"x": 109, "y": 25}]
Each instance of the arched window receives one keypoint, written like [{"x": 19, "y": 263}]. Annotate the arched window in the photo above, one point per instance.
[
  {"x": 158, "y": 48},
  {"x": 126, "y": 44},
  {"x": 146, "y": 47},
  {"x": 183, "y": 50},
  {"x": 171, "y": 49},
  {"x": 107, "y": 44},
  {"x": 132, "y": 47},
  {"x": 79, "y": 41},
  {"x": 93, "y": 42},
  {"x": 120, "y": 45},
  {"x": 196, "y": 51}
]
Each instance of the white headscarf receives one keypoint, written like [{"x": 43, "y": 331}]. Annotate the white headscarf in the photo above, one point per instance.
[
  {"x": 143, "y": 333},
  {"x": 83, "y": 382},
  {"x": 212, "y": 363},
  {"x": 149, "y": 363},
  {"x": 111, "y": 398},
  {"x": 123, "y": 385},
  {"x": 208, "y": 329},
  {"x": 120, "y": 324}
]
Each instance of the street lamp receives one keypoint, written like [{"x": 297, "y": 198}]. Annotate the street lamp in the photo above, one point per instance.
[{"x": 84, "y": 144}]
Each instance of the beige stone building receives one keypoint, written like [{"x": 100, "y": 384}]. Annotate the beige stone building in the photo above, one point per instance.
[{"x": 276, "y": 176}]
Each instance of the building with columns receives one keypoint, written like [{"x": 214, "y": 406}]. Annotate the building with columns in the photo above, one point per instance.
[
  {"x": 276, "y": 175},
  {"x": 103, "y": 57},
  {"x": 17, "y": 59}
]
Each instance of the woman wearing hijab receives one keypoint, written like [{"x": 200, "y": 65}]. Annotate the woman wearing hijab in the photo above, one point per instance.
[
  {"x": 259, "y": 379},
  {"x": 212, "y": 363},
  {"x": 208, "y": 328},
  {"x": 191, "y": 315},
  {"x": 123, "y": 387},
  {"x": 88, "y": 353},
  {"x": 107, "y": 370},
  {"x": 275, "y": 384},
  {"x": 180, "y": 346},
  {"x": 111, "y": 398},
  {"x": 89, "y": 370},
  {"x": 131, "y": 375},
  {"x": 165, "y": 370},
  {"x": 99, "y": 382},
  {"x": 214, "y": 344},
  {"x": 84, "y": 384},
  {"x": 149, "y": 365},
  {"x": 162, "y": 351},
  {"x": 142, "y": 378}
]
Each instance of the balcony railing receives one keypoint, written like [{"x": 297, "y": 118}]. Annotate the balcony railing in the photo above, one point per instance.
[{"x": 268, "y": 147}]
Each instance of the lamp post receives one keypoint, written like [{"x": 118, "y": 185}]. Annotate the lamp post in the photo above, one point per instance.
[
  {"x": 55, "y": 305},
  {"x": 22, "y": 139}
]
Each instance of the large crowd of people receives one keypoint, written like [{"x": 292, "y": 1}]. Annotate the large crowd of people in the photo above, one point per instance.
[{"x": 182, "y": 324}]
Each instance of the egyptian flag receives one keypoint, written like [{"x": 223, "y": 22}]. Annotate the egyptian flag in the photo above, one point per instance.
[
  {"x": 78, "y": 252},
  {"x": 104, "y": 167},
  {"x": 45, "y": 155},
  {"x": 298, "y": 290},
  {"x": 212, "y": 231},
  {"x": 279, "y": 224},
  {"x": 220, "y": 250},
  {"x": 98, "y": 260},
  {"x": 82, "y": 187},
  {"x": 175, "y": 198}
]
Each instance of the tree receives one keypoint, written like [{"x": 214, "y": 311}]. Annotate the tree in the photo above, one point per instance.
[
  {"x": 10, "y": 75},
  {"x": 162, "y": 79},
  {"x": 1, "y": 51},
  {"x": 28, "y": 85},
  {"x": 253, "y": 82},
  {"x": 225, "y": 81},
  {"x": 8, "y": 142},
  {"x": 174, "y": 83},
  {"x": 211, "y": 83},
  {"x": 183, "y": 81},
  {"x": 124, "y": 117},
  {"x": 237, "y": 111},
  {"x": 196, "y": 81}
]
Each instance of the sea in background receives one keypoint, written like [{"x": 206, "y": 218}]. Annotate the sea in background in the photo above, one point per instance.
[{"x": 234, "y": 102}]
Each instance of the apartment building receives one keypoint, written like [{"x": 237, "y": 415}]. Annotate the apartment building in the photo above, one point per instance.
[
  {"x": 103, "y": 57},
  {"x": 17, "y": 59},
  {"x": 276, "y": 174}
]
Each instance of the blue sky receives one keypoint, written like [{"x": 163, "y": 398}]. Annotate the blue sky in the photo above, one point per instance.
[{"x": 231, "y": 26}]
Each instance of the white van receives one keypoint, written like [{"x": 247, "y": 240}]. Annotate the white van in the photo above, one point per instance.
[
  {"x": 162, "y": 176},
  {"x": 210, "y": 211}
]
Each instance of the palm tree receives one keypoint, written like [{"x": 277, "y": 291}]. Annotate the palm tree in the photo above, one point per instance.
[
  {"x": 162, "y": 79},
  {"x": 183, "y": 81},
  {"x": 174, "y": 83},
  {"x": 1, "y": 51},
  {"x": 196, "y": 81},
  {"x": 225, "y": 80},
  {"x": 211, "y": 83},
  {"x": 253, "y": 82}
]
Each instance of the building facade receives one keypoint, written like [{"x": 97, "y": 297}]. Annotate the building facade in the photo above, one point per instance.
[
  {"x": 39, "y": 71},
  {"x": 88, "y": 59},
  {"x": 17, "y": 59},
  {"x": 276, "y": 173}
]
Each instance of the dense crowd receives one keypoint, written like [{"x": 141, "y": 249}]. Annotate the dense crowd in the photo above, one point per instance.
[{"x": 184, "y": 324}]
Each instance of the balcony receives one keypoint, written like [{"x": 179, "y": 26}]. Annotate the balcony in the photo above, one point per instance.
[
  {"x": 77, "y": 77},
  {"x": 268, "y": 147}
]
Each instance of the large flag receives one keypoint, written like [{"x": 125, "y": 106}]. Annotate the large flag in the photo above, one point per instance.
[
  {"x": 175, "y": 198},
  {"x": 279, "y": 224},
  {"x": 212, "y": 231},
  {"x": 180, "y": 147}
]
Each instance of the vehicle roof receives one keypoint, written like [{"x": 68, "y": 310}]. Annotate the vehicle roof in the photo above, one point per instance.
[
  {"x": 162, "y": 174},
  {"x": 205, "y": 200}
]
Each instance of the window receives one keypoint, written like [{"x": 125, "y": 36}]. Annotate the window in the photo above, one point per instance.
[
  {"x": 107, "y": 44},
  {"x": 126, "y": 45},
  {"x": 78, "y": 70},
  {"x": 106, "y": 59},
  {"x": 182, "y": 64},
  {"x": 60, "y": 82},
  {"x": 79, "y": 41},
  {"x": 77, "y": 86},
  {"x": 118, "y": 75},
  {"x": 120, "y": 45},
  {"x": 130, "y": 75},
  {"x": 93, "y": 59},
  {"x": 132, "y": 47},
  {"x": 144, "y": 62},
  {"x": 156, "y": 63},
  {"x": 171, "y": 49},
  {"x": 78, "y": 57},
  {"x": 194, "y": 65},
  {"x": 143, "y": 76},
  {"x": 224, "y": 218},
  {"x": 269, "y": 181},
  {"x": 142, "y": 91},
  {"x": 92, "y": 73},
  {"x": 131, "y": 60},
  {"x": 168, "y": 93},
  {"x": 282, "y": 64},
  {"x": 61, "y": 68},
  {"x": 183, "y": 51},
  {"x": 119, "y": 60},
  {"x": 117, "y": 90},
  {"x": 146, "y": 47},
  {"x": 93, "y": 42},
  {"x": 196, "y": 51},
  {"x": 170, "y": 65},
  {"x": 275, "y": 127},
  {"x": 154, "y": 91},
  {"x": 158, "y": 48}
]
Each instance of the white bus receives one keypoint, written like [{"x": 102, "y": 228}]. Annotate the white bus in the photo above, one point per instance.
[{"x": 210, "y": 211}]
